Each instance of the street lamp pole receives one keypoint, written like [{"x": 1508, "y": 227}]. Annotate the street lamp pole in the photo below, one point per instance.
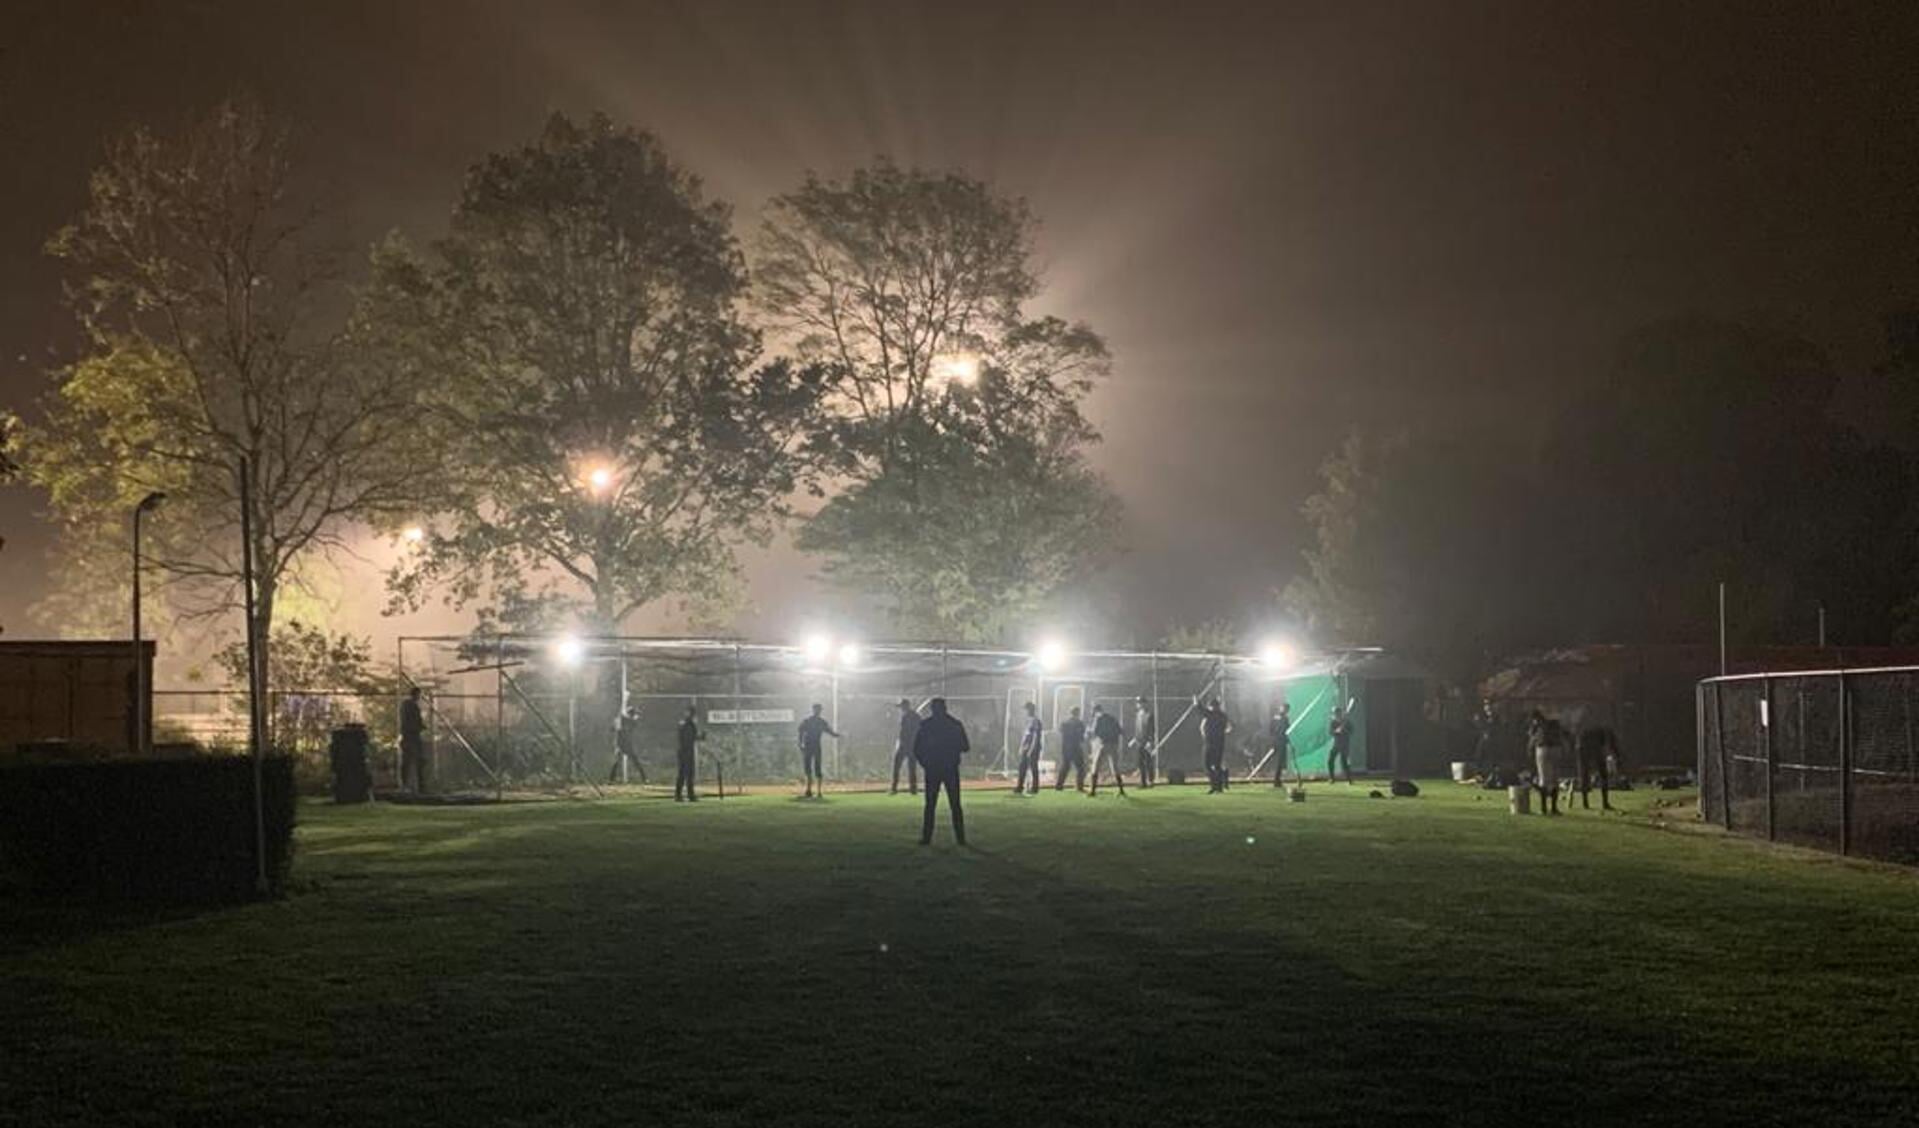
[{"x": 141, "y": 742}]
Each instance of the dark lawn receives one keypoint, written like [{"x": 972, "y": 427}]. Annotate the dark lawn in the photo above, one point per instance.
[{"x": 1171, "y": 958}]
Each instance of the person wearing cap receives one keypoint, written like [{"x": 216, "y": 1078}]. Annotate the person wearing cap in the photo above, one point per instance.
[
  {"x": 1281, "y": 736},
  {"x": 685, "y": 785},
  {"x": 938, "y": 746},
  {"x": 903, "y": 749},
  {"x": 1031, "y": 743},
  {"x": 1145, "y": 733}
]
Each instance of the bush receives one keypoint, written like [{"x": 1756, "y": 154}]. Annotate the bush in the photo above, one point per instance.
[{"x": 177, "y": 831}]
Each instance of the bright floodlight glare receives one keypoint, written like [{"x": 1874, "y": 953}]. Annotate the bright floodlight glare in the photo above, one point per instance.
[
  {"x": 599, "y": 479},
  {"x": 958, "y": 368},
  {"x": 1051, "y": 655},
  {"x": 817, "y": 648},
  {"x": 569, "y": 650},
  {"x": 850, "y": 654},
  {"x": 1277, "y": 656},
  {"x": 413, "y": 534}
]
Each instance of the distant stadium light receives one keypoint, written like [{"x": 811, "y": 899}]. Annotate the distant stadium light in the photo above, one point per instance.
[
  {"x": 817, "y": 648},
  {"x": 569, "y": 650},
  {"x": 1278, "y": 656},
  {"x": 1051, "y": 655},
  {"x": 851, "y": 655}
]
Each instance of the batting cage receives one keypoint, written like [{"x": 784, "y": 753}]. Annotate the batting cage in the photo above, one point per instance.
[{"x": 526, "y": 710}]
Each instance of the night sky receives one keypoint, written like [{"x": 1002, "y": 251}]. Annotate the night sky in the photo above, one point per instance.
[{"x": 1287, "y": 219}]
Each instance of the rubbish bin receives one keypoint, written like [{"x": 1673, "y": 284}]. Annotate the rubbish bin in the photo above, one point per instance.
[
  {"x": 347, "y": 754},
  {"x": 1519, "y": 800}
]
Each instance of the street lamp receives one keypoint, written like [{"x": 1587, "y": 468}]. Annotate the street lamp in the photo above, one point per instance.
[{"x": 141, "y": 737}]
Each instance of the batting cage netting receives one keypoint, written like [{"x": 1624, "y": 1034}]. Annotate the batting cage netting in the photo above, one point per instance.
[
  {"x": 1825, "y": 759},
  {"x": 541, "y": 711}
]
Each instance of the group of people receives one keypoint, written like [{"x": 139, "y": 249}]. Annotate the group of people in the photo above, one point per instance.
[{"x": 1559, "y": 758}]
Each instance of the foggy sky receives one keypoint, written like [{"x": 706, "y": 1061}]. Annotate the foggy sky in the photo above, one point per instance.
[{"x": 1286, "y": 219}]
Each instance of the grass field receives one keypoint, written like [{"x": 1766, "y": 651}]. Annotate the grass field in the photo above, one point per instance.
[{"x": 1171, "y": 958}]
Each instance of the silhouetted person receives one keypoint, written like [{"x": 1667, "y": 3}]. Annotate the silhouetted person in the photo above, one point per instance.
[
  {"x": 938, "y": 747},
  {"x": 1145, "y": 733},
  {"x": 1486, "y": 730},
  {"x": 1213, "y": 727},
  {"x": 687, "y": 740},
  {"x": 1032, "y": 742},
  {"x": 1597, "y": 748},
  {"x": 811, "y": 730},
  {"x": 626, "y": 743},
  {"x": 1107, "y": 732},
  {"x": 1548, "y": 740},
  {"x": 1072, "y": 751},
  {"x": 1340, "y": 728},
  {"x": 1281, "y": 736},
  {"x": 413, "y": 743},
  {"x": 903, "y": 749}
]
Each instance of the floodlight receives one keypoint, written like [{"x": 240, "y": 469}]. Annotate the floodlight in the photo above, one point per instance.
[
  {"x": 817, "y": 648},
  {"x": 569, "y": 650},
  {"x": 851, "y": 654},
  {"x": 1278, "y": 656},
  {"x": 957, "y": 368},
  {"x": 413, "y": 534},
  {"x": 1051, "y": 655},
  {"x": 599, "y": 478}
]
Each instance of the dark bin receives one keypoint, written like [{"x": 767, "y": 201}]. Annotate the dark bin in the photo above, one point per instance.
[{"x": 352, "y": 779}]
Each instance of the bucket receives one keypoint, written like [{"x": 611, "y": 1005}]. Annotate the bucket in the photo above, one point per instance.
[
  {"x": 1520, "y": 800},
  {"x": 1460, "y": 771}
]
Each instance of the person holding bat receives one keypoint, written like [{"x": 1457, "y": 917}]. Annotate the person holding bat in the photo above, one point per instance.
[{"x": 1340, "y": 728}]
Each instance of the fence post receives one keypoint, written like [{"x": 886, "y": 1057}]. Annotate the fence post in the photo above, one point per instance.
[
  {"x": 1845, "y": 765},
  {"x": 1772, "y": 760},
  {"x": 1719, "y": 732}
]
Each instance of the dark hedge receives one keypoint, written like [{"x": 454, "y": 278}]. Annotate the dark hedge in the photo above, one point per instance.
[{"x": 178, "y": 831}]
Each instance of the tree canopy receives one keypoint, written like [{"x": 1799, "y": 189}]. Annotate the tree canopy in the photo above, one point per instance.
[
  {"x": 594, "y": 399},
  {"x": 957, "y": 432}
]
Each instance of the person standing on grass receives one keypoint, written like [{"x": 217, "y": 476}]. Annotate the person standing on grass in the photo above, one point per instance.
[
  {"x": 684, "y": 786},
  {"x": 412, "y": 743},
  {"x": 626, "y": 741},
  {"x": 1106, "y": 730},
  {"x": 1213, "y": 727},
  {"x": 1031, "y": 743},
  {"x": 903, "y": 749},
  {"x": 1340, "y": 728},
  {"x": 1597, "y": 750},
  {"x": 811, "y": 730},
  {"x": 1281, "y": 736},
  {"x": 938, "y": 746},
  {"x": 1548, "y": 739},
  {"x": 1145, "y": 732},
  {"x": 1072, "y": 751}
]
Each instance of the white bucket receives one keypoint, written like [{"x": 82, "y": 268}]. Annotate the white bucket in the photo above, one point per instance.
[
  {"x": 1520, "y": 800},
  {"x": 1459, "y": 771}
]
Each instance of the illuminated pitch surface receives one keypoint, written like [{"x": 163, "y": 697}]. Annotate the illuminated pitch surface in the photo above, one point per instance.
[{"x": 1167, "y": 959}]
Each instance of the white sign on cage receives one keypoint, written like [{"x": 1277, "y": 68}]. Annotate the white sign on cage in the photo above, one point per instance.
[{"x": 749, "y": 716}]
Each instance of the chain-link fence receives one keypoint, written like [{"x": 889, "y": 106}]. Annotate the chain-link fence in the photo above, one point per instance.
[{"x": 1825, "y": 759}]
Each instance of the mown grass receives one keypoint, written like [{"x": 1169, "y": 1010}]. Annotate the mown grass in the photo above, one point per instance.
[{"x": 1171, "y": 958}]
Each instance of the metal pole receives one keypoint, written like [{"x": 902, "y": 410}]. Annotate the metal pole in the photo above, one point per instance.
[
  {"x": 1154, "y": 750},
  {"x": 1822, "y": 626},
  {"x": 1719, "y": 730},
  {"x": 256, "y": 721},
  {"x": 1722, "y": 632},
  {"x": 1772, "y": 760},
  {"x": 942, "y": 669},
  {"x": 739, "y": 726},
  {"x": 1845, "y": 765},
  {"x": 834, "y": 677}
]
